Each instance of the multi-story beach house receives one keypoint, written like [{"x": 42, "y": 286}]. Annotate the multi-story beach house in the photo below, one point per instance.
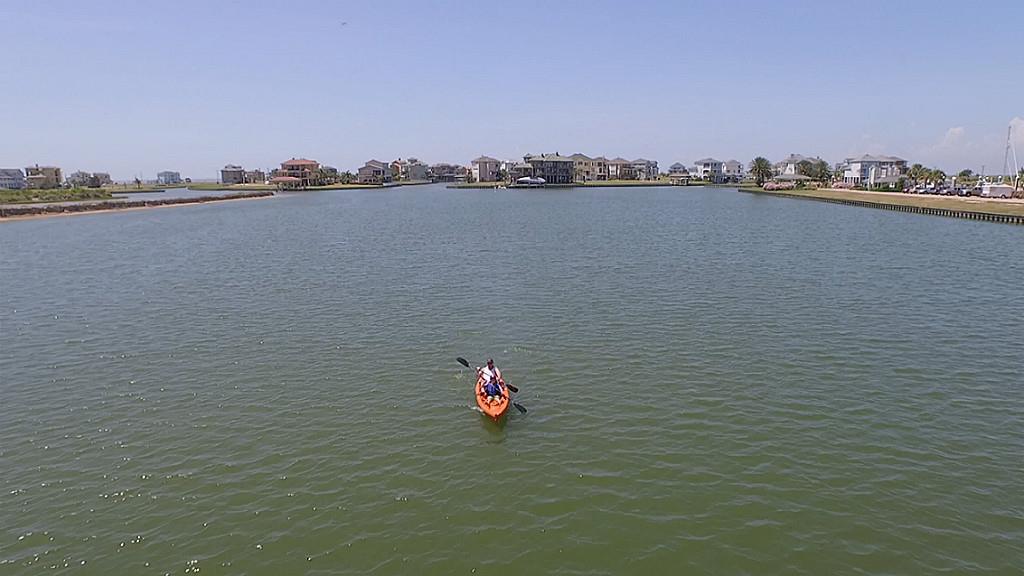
[
  {"x": 254, "y": 177},
  {"x": 486, "y": 169},
  {"x": 168, "y": 177},
  {"x": 873, "y": 171},
  {"x": 444, "y": 172},
  {"x": 553, "y": 168},
  {"x": 586, "y": 169},
  {"x": 12, "y": 179},
  {"x": 81, "y": 179},
  {"x": 375, "y": 172},
  {"x": 645, "y": 169},
  {"x": 307, "y": 172},
  {"x": 409, "y": 169},
  {"x": 43, "y": 177},
  {"x": 621, "y": 169},
  {"x": 788, "y": 166},
  {"x": 733, "y": 170},
  {"x": 708, "y": 169},
  {"x": 232, "y": 174}
]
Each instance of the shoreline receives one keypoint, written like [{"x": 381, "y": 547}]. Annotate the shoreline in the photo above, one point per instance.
[
  {"x": 39, "y": 212},
  {"x": 1008, "y": 211}
]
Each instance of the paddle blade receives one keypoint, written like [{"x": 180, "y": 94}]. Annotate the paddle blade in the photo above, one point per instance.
[
  {"x": 519, "y": 407},
  {"x": 463, "y": 361},
  {"x": 512, "y": 388}
]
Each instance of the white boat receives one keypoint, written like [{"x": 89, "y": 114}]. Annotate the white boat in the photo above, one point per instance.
[{"x": 531, "y": 181}]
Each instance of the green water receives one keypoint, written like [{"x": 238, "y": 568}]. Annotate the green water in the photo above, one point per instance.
[{"x": 717, "y": 383}]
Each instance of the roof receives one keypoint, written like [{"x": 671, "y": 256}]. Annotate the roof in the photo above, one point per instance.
[
  {"x": 377, "y": 163},
  {"x": 232, "y": 167},
  {"x": 11, "y": 173},
  {"x": 708, "y": 161},
  {"x": 677, "y": 166},
  {"x": 619, "y": 160},
  {"x": 548, "y": 158},
  {"x": 870, "y": 158},
  {"x": 601, "y": 159},
  {"x": 793, "y": 159},
  {"x": 301, "y": 162},
  {"x": 522, "y": 166},
  {"x": 483, "y": 159},
  {"x": 578, "y": 156}
]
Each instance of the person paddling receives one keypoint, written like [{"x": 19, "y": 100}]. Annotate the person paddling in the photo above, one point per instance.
[{"x": 493, "y": 382}]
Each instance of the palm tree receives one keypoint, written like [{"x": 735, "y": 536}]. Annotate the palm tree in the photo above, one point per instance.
[
  {"x": 917, "y": 172},
  {"x": 761, "y": 170}
]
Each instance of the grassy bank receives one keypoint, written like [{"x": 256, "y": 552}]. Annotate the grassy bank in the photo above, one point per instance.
[
  {"x": 967, "y": 204},
  {"x": 55, "y": 195}
]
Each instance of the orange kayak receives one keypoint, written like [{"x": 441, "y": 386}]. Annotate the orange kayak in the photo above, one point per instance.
[{"x": 495, "y": 409}]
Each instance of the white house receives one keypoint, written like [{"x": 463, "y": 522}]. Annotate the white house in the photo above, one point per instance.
[
  {"x": 708, "y": 169},
  {"x": 168, "y": 177},
  {"x": 733, "y": 169},
  {"x": 872, "y": 171}
]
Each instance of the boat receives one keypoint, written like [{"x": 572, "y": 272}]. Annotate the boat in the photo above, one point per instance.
[{"x": 495, "y": 409}]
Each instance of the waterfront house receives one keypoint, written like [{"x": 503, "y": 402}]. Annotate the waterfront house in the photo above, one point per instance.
[
  {"x": 873, "y": 171},
  {"x": 307, "y": 171},
  {"x": 375, "y": 172},
  {"x": 789, "y": 166},
  {"x": 254, "y": 177},
  {"x": 517, "y": 170},
  {"x": 81, "y": 179},
  {"x": 12, "y": 179},
  {"x": 587, "y": 169},
  {"x": 486, "y": 169},
  {"x": 43, "y": 177},
  {"x": 678, "y": 169},
  {"x": 444, "y": 172},
  {"x": 409, "y": 169},
  {"x": 709, "y": 169},
  {"x": 621, "y": 169},
  {"x": 553, "y": 168},
  {"x": 645, "y": 169},
  {"x": 733, "y": 170},
  {"x": 601, "y": 168},
  {"x": 232, "y": 174},
  {"x": 168, "y": 177}
]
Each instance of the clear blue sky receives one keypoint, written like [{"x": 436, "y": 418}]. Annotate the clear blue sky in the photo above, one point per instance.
[{"x": 138, "y": 87}]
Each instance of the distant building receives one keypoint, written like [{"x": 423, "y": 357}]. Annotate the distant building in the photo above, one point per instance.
[
  {"x": 517, "y": 170},
  {"x": 254, "y": 177},
  {"x": 587, "y": 169},
  {"x": 82, "y": 179},
  {"x": 43, "y": 177},
  {"x": 410, "y": 169},
  {"x": 874, "y": 171},
  {"x": 553, "y": 168},
  {"x": 788, "y": 167},
  {"x": 168, "y": 177},
  {"x": 621, "y": 169},
  {"x": 443, "y": 172},
  {"x": 232, "y": 174},
  {"x": 485, "y": 169},
  {"x": 678, "y": 169},
  {"x": 645, "y": 169},
  {"x": 12, "y": 179},
  {"x": 709, "y": 169},
  {"x": 733, "y": 170},
  {"x": 375, "y": 172},
  {"x": 306, "y": 171}
]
